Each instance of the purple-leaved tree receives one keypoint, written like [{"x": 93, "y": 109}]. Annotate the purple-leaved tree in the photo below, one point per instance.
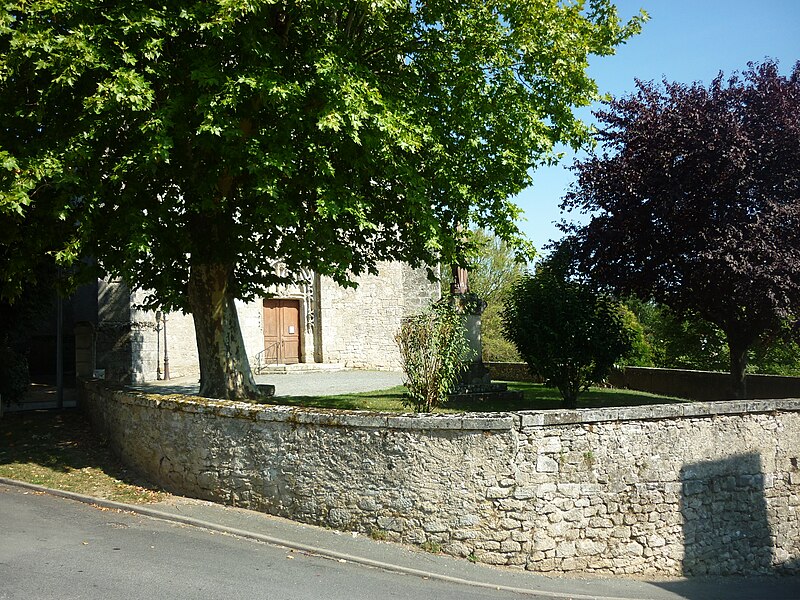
[{"x": 695, "y": 202}]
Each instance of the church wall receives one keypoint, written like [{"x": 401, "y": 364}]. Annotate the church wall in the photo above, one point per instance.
[
  {"x": 147, "y": 343},
  {"x": 112, "y": 344},
  {"x": 358, "y": 325},
  {"x": 351, "y": 326}
]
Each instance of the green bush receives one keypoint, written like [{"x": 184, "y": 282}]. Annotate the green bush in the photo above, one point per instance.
[
  {"x": 433, "y": 347},
  {"x": 685, "y": 341},
  {"x": 570, "y": 335},
  {"x": 776, "y": 356},
  {"x": 680, "y": 341}
]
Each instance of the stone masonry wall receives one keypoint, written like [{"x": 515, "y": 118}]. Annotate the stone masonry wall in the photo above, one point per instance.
[
  {"x": 359, "y": 324},
  {"x": 674, "y": 489},
  {"x": 506, "y": 371},
  {"x": 356, "y": 326},
  {"x": 418, "y": 291}
]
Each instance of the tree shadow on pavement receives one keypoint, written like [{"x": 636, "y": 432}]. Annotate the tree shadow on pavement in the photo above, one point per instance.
[{"x": 58, "y": 449}]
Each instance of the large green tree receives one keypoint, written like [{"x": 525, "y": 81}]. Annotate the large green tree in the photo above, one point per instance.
[{"x": 190, "y": 147}]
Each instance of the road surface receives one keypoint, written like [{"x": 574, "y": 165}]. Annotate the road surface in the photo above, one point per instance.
[{"x": 53, "y": 548}]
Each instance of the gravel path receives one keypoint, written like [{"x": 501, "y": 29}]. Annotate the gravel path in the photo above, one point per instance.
[{"x": 323, "y": 383}]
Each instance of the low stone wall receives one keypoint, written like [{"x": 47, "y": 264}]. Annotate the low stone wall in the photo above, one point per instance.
[
  {"x": 673, "y": 489},
  {"x": 679, "y": 383},
  {"x": 702, "y": 385}
]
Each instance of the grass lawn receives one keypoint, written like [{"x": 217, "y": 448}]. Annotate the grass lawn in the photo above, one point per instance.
[
  {"x": 390, "y": 400},
  {"x": 535, "y": 397},
  {"x": 539, "y": 397},
  {"x": 59, "y": 450}
]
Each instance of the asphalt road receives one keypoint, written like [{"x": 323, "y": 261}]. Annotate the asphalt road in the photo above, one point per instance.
[
  {"x": 70, "y": 547},
  {"x": 53, "y": 548}
]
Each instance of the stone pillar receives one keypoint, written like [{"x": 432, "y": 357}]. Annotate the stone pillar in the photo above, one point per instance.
[
  {"x": 471, "y": 307},
  {"x": 475, "y": 385},
  {"x": 84, "y": 350}
]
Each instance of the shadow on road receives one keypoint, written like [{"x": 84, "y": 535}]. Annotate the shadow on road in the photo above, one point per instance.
[{"x": 59, "y": 449}]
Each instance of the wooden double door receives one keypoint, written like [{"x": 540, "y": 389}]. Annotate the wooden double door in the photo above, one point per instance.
[{"x": 282, "y": 331}]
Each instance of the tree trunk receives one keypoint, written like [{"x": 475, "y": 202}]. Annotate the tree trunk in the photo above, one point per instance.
[
  {"x": 738, "y": 352},
  {"x": 570, "y": 386},
  {"x": 224, "y": 368}
]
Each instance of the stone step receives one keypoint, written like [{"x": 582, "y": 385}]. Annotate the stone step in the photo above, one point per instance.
[
  {"x": 475, "y": 399},
  {"x": 300, "y": 368}
]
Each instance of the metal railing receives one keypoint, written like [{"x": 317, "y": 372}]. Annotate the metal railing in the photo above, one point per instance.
[{"x": 269, "y": 355}]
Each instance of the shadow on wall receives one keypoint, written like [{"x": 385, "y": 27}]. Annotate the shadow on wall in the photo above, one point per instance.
[
  {"x": 726, "y": 530},
  {"x": 725, "y": 523}
]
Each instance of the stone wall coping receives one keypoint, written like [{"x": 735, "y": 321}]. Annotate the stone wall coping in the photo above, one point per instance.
[
  {"x": 658, "y": 411},
  {"x": 499, "y": 421},
  {"x": 312, "y": 416}
]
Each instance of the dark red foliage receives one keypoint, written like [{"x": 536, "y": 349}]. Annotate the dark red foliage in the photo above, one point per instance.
[{"x": 696, "y": 200}]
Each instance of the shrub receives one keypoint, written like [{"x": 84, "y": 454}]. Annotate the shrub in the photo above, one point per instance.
[
  {"x": 569, "y": 335},
  {"x": 686, "y": 341},
  {"x": 433, "y": 347}
]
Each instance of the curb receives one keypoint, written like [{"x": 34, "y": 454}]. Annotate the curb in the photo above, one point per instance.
[{"x": 322, "y": 552}]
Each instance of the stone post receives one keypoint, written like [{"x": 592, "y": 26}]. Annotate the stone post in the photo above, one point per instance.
[
  {"x": 471, "y": 307},
  {"x": 475, "y": 384}
]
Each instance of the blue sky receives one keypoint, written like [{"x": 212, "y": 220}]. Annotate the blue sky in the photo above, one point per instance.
[{"x": 684, "y": 40}]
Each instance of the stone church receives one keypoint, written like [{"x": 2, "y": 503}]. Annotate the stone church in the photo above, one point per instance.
[{"x": 316, "y": 323}]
